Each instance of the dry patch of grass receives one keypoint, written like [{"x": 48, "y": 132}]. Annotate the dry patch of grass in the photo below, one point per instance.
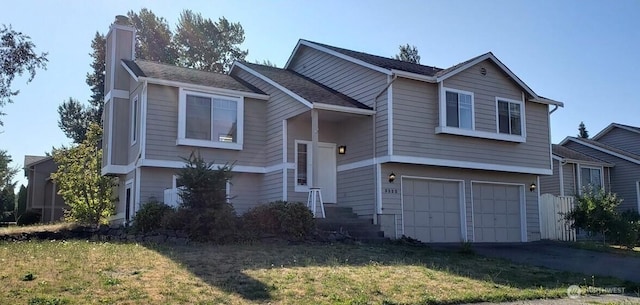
[
  {"x": 38, "y": 228},
  {"x": 81, "y": 272}
]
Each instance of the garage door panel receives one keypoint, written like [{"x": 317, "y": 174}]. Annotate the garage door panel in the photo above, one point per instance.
[
  {"x": 496, "y": 210},
  {"x": 432, "y": 210}
]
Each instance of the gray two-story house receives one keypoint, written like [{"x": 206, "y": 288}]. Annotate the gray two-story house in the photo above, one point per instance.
[{"x": 440, "y": 155}]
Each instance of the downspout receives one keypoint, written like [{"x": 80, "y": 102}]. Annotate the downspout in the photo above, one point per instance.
[
  {"x": 554, "y": 109},
  {"x": 375, "y": 161}
]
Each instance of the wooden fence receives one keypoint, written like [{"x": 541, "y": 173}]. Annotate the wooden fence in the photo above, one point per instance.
[{"x": 552, "y": 223}]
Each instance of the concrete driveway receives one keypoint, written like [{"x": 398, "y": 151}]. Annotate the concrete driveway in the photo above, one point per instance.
[{"x": 561, "y": 257}]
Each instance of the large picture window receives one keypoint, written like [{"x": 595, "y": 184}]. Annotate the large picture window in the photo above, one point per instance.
[
  {"x": 509, "y": 117},
  {"x": 210, "y": 120}
]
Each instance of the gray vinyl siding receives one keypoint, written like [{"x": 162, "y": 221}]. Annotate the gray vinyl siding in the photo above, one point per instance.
[
  {"x": 551, "y": 184},
  {"x": 356, "y": 81},
  {"x": 416, "y": 115},
  {"x": 357, "y": 192},
  {"x": 391, "y": 195},
  {"x": 245, "y": 191},
  {"x": 105, "y": 134},
  {"x": 272, "y": 186},
  {"x": 624, "y": 175},
  {"x": 382, "y": 125},
  {"x": 123, "y": 51},
  {"x": 622, "y": 139},
  {"x": 300, "y": 129},
  {"x": 279, "y": 107},
  {"x": 356, "y": 133},
  {"x": 120, "y": 127},
  {"x": 162, "y": 131}
]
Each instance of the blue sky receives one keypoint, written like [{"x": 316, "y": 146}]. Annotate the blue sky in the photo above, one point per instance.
[{"x": 583, "y": 53}]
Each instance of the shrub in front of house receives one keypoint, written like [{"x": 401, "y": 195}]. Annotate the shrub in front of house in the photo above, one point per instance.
[
  {"x": 281, "y": 218},
  {"x": 596, "y": 212},
  {"x": 150, "y": 216},
  {"x": 28, "y": 218}
]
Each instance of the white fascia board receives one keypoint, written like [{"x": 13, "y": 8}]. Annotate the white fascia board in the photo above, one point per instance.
[
  {"x": 164, "y": 82},
  {"x": 604, "y": 150},
  {"x": 465, "y": 164},
  {"x": 322, "y": 106},
  {"x": 546, "y": 101},
  {"x": 133, "y": 75},
  {"x": 339, "y": 55},
  {"x": 414, "y": 76},
  {"x": 115, "y": 169},
  {"x": 181, "y": 164},
  {"x": 275, "y": 84}
]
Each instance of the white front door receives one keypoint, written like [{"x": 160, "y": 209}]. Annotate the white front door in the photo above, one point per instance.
[{"x": 327, "y": 171}]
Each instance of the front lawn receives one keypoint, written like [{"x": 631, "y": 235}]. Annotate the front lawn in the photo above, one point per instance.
[{"x": 82, "y": 272}]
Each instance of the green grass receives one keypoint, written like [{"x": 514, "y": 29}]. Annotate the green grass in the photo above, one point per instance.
[
  {"x": 602, "y": 247},
  {"x": 82, "y": 272}
]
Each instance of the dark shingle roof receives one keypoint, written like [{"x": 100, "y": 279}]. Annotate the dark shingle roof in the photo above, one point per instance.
[
  {"x": 384, "y": 62},
  {"x": 305, "y": 87},
  {"x": 143, "y": 68},
  {"x": 569, "y": 153},
  {"x": 31, "y": 160},
  {"x": 610, "y": 148}
]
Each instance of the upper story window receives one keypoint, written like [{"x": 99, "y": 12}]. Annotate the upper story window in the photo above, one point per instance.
[
  {"x": 210, "y": 120},
  {"x": 459, "y": 108},
  {"x": 510, "y": 116},
  {"x": 590, "y": 177}
]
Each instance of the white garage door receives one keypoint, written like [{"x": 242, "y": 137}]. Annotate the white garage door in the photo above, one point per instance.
[
  {"x": 496, "y": 212},
  {"x": 431, "y": 210}
]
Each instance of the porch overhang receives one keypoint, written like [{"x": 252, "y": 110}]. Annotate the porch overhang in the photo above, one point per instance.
[{"x": 328, "y": 107}]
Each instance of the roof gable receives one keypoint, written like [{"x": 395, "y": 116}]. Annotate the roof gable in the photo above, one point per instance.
[
  {"x": 612, "y": 126},
  {"x": 619, "y": 153},
  {"x": 392, "y": 66},
  {"x": 571, "y": 155},
  {"x": 301, "y": 88}
]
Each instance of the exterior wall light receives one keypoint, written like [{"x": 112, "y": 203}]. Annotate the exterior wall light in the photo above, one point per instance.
[
  {"x": 532, "y": 187},
  {"x": 392, "y": 177},
  {"x": 342, "y": 149}
]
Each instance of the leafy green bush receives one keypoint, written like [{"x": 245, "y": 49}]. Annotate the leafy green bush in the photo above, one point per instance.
[
  {"x": 286, "y": 219},
  {"x": 150, "y": 216},
  {"x": 596, "y": 212},
  {"x": 28, "y": 218}
]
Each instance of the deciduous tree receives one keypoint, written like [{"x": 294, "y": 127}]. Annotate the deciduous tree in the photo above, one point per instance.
[
  {"x": 88, "y": 194},
  {"x": 17, "y": 55}
]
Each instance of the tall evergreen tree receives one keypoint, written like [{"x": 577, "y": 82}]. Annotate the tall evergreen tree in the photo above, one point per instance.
[
  {"x": 582, "y": 131},
  {"x": 408, "y": 53},
  {"x": 198, "y": 43},
  {"x": 206, "y": 45},
  {"x": 21, "y": 201}
]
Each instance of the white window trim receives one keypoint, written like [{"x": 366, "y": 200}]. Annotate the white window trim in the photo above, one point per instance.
[
  {"x": 523, "y": 124},
  {"x": 302, "y": 188},
  {"x": 580, "y": 167},
  {"x": 443, "y": 108},
  {"x": 182, "y": 120},
  {"x": 134, "y": 119}
]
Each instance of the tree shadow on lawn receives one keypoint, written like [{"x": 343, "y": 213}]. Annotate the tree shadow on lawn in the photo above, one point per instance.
[{"x": 224, "y": 266}]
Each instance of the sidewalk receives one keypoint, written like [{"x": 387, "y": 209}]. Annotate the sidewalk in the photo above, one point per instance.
[{"x": 602, "y": 299}]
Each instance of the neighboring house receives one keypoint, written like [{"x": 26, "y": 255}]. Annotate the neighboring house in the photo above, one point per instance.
[
  {"x": 619, "y": 146},
  {"x": 42, "y": 192},
  {"x": 574, "y": 171},
  {"x": 441, "y": 155}
]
